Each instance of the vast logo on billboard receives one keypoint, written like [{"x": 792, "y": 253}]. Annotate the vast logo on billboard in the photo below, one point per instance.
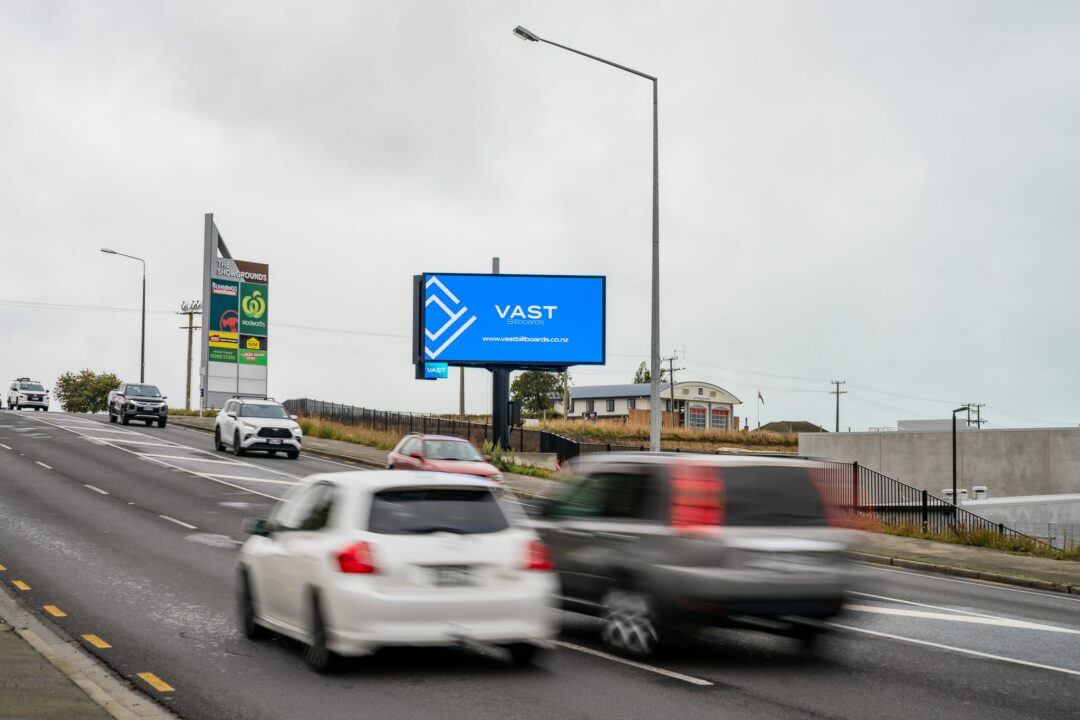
[{"x": 439, "y": 297}]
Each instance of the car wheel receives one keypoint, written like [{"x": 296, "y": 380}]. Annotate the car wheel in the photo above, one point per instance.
[
  {"x": 112, "y": 417},
  {"x": 317, "y": 656},
  {"x": 161, "y": 423},
  {"x": 295, "y": 454},
  {"x": 218, "y": 445},
  {"x": 248, "y": 625},
  {"x": 629, "y": 623},
  {"x": 124, "y": 419},
  {"x": 236, "y": 449},
  {"x": 524, "y": 653},
  {"x": 148, "y": 422},
  {"x": 809, "y": 638}
]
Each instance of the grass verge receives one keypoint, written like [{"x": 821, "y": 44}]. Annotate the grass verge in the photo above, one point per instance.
[
  {"x": 686, "y": 438},
  {"x": 349, "y": 433},
  {"x": 984, "y": 538}
]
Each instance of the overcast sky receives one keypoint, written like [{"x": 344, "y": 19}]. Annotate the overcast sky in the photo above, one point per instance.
[{"x": 883, "y": 193}]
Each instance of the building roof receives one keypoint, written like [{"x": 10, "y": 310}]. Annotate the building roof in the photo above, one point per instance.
[{"x": 643, "y": 390}]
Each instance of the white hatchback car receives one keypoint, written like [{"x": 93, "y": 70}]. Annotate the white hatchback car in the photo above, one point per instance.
[{"x": 354, "y": 561}]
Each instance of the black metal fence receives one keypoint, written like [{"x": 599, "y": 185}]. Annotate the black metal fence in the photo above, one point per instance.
[{"x": 848, "y": 487}]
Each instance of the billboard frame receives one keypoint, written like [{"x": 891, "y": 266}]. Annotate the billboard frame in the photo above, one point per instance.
[{"x": 419, "y": 317}]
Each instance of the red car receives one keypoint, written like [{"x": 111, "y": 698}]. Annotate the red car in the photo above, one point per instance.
[{"x": 441, "y": 453}]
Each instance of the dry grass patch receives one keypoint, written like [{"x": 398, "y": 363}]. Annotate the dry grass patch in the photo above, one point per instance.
[
  {"x": 687, "y": 438},
  {"x": 349, "y": 433}
]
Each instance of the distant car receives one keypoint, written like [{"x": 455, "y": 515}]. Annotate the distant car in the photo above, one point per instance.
[
  {"x": 138, "y": 401},
  {"x": 354, "y": 561},
  {"x": 441, "y": 453},
  {"x": 27, "y": 393},
  {"x": 658, "y": 544},
  {"x": 247, "y": 424}
]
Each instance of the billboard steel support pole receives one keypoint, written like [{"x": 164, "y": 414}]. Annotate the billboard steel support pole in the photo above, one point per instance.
[{"x": 500, "y": 396}]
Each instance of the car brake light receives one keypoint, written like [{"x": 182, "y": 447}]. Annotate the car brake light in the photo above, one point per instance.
[
  {"x": 538, "y": 558},
  {"x": 356, "y": 559},
  {"x": 697, "y": 497}
]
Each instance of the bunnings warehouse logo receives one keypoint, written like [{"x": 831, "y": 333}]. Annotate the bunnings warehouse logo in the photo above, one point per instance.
[{"x": 254, "y": 305}]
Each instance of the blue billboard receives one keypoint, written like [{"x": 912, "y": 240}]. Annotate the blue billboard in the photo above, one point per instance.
[{"x": 517, "y": 320}]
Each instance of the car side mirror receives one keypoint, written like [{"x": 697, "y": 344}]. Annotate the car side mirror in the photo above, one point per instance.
[
  {"x": 293, "y": 417},
  {"x": 487, "y": 458},
  {"x": 164, "y": 397},
  {"x": 232, "y": 415},
  {"x": 416, "y": 456},
  {"x": 260, "y": 527}
]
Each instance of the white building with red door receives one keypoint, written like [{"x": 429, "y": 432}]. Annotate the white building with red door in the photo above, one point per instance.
[{"x": 696, "y": 404}]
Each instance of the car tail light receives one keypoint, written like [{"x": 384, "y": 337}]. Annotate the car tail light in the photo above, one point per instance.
[
  {"x": 697, "y": 497},
  {"x": 538, "y": 557},
  {"x": 357, "y": 559}
]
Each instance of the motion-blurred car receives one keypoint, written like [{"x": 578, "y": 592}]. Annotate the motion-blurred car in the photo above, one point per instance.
[
  {"x": 247, "y": 424},
  {"x": 354, "y": 561},
  {"x": 441, "y": 453},
  {"x": 658, "y": 544},
  {"x": 27, "y": 393}
]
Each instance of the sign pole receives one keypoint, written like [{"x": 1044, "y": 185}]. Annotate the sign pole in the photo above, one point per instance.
[{"x": 500, "y": 396}]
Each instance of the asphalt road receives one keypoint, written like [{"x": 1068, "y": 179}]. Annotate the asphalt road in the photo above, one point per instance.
[{"x": 132, "y": 534}]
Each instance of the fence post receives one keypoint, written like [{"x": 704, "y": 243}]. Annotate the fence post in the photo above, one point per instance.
[
  {"x": 855, "y": 486},
  {"x": 925, "y": 511},
  {"x": 1001, "y": 528}
]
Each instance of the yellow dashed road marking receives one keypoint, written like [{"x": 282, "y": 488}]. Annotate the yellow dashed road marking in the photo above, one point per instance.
[
  {"x": 97, "y": 642},
  {"x": 54, "y": 611},
  {"x": 155, "y": 682},
  {"x": 20, "y": 584}
]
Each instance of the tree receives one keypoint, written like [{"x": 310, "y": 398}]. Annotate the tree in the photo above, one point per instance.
[
  {"x": 85, "y": 392},
  {"x": 644, "y": 376},
  {"x": 534, "y": 389}
]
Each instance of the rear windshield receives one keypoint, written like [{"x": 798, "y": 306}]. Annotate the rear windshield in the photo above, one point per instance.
[
  {"x": 417, "y": 511},
  {"x": 748, "y": 496}
]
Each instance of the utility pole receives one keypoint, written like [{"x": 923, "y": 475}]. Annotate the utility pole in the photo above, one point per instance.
[
  {"x": 190, "y": 309},
  {"x": 461, "y": 394},
  {"x": 978, "y": 415},
  {"x": 838, "y": 392},
  {"x": 671, "y": 379}
]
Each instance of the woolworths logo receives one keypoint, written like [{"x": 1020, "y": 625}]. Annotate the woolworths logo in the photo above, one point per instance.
[{"x": 254, "y": 305}]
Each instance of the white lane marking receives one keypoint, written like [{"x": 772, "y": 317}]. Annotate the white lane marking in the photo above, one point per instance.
[
  {"x": 963, "y": 651},
  {"x": 4, "y": 446},
  {"x": 640, "y": 666},
  {"x": 197, "y": 459},
  {"x": 115, "y": 431},
  {"x": 253, "y": 479},
  {"x": 96, "y": 489},
  {"x": 181, "y": 523},
  {"x": 989, "y": 584},
  {"x": 886, "y": 598},
  {"x": 176, "y": 467},
  {"x": 47, "y": 467},
  {"x": 122, "y": 441},
  {"x": 307, "y": 455},
  {"x": 983, "y": 620}
]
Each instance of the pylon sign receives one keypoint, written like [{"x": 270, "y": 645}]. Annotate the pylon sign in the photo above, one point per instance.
[{"x": 235, "y": 347}]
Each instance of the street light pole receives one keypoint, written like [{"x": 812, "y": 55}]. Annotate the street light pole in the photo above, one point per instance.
[
  {"x": 954, "y": 498},
  {"x": 142, "y": 336},
  {"x": 654, "y": 358}
]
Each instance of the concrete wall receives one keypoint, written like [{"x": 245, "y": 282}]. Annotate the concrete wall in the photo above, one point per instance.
[{"x": 1043, "y": 461}]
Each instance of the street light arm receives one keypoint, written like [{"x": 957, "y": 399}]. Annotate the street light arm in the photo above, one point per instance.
[
  {"x": 113, "y": 252},
  {"x": 599, "y": 59}
]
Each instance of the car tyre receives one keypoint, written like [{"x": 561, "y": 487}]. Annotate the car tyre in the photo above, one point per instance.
[
  {"x": 295, "y": 454},
  {"x": 236, "y": 449},
  {"x": 522, "y": 654},
  {"x": 124, "y": 419},
  {"x": 249, "y": 625},
  {"x": 629, "y": 624},
  {"x": 218, "y": 445},
  {"x": 317, "y": 656},
  {"x": 161, "y": 423},
  {"x": 148, "y": 422},
  {"x": 112, "y": 417}
]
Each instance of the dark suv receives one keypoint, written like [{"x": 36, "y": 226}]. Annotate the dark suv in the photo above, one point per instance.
[
  {"x": 136, "y": 401},
  {"x": 659, "y": 543}
]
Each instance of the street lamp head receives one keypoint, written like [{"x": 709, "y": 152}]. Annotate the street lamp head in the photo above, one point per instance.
[
  {"x": 107, "y": 250},
  {"x": 960, "y": 409},
  {"x": 525, "y": 34}
]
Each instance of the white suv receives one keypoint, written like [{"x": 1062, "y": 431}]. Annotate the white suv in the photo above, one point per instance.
[
  {"x": 249, "y": 424},
  {"x": 27, "y": 393}
]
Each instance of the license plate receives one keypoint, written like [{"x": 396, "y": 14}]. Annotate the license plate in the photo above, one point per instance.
[
  {"x": 453, "y": 576},
  {"x": 275, "y": 441}
]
